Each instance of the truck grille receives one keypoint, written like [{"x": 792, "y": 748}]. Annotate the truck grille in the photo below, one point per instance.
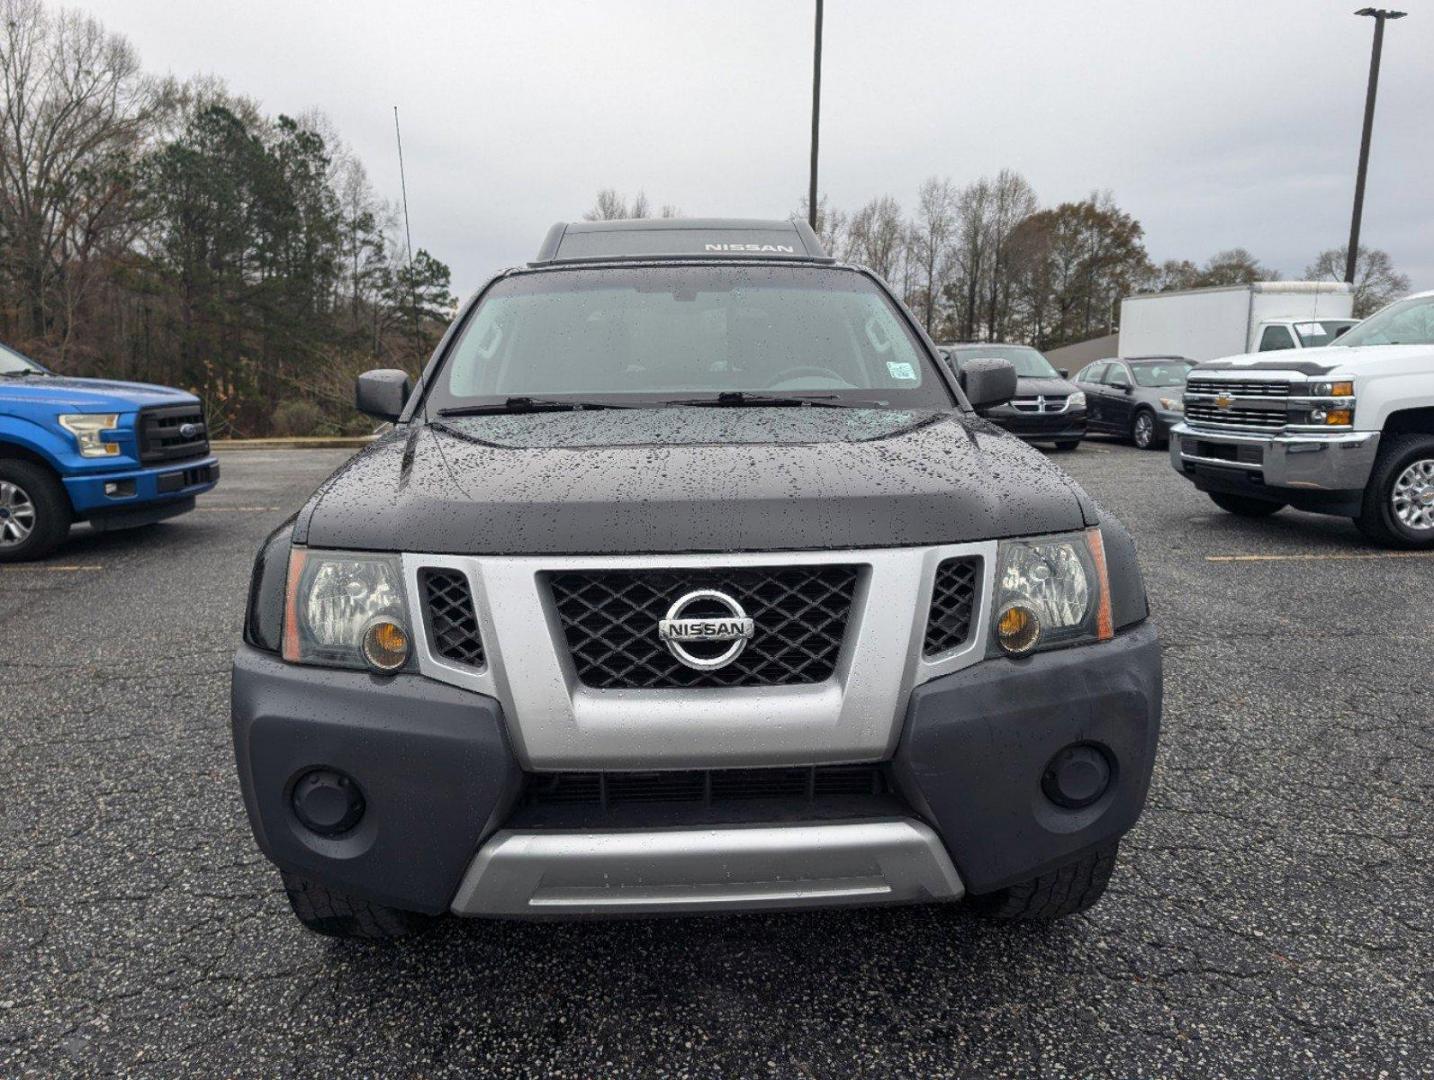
[
  {"x": 452, "y": 623},
  {"x": 172, "y": 433},
  {"x": 1206, "y": 413},
  {"x": 1238, "y": 387},
  {"x": 704, "y": 787},
  {"x": 610, "y": 617},
  {"x": 953, "y": 601}
]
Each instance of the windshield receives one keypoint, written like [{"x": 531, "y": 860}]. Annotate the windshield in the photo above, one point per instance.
[
  {"x": 1026, "y": 360},
  {"x": 12, "y": 363},
  {"x": 1319, "y": 332},
  {"x": 1160, "y": 372},
  {"x": 650, "y": 335},
  {"x": 1409, "y": 322}
]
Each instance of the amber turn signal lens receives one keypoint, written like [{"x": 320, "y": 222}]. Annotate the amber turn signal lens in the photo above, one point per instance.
[
  {"x": 1343, "y": 389},
  {"x": 385, "y": 646},
  {"x": 1018, "y": 630},
  {"x": 1339, "y": 416}
]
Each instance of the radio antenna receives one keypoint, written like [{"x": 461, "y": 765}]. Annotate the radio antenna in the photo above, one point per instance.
[{"x": 403, "y": 187}]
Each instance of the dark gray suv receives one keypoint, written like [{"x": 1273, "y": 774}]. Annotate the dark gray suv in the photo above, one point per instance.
[{"x": 689, "y": 580}]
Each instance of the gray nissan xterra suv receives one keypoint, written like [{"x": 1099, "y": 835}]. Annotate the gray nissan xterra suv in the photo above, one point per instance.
[{"x": 688, "y": 580}]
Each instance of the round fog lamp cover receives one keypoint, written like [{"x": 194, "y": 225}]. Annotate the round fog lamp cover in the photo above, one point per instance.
[
  {"x": 1077, "y": 776},
  {"x": 1018, "y": 629},
  {"x": 385, "y": 646},
  {"x": 327, "y": 802}
]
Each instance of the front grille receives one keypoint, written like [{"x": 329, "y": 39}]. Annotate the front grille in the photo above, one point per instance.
[
  {"x": 704, "y": 787},
  {"x": 953, "y": 602},
  {"x": 1039, "y": 405},
  {"x": 1238, "y": 387},
  {"x": 610, "y": 617},
  {"x": 452, "y": 623},
  {"x": 172, "y": 433},
  {"x": 1205, "y": 412}
]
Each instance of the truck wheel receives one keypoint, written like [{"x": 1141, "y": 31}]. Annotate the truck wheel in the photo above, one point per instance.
[
  {"x": 337, "y": 915},
  {"x": 1142, "y": 430},
  {"x": 1243, "y": 506},
  {"x": 1399, "y": 499},
  {"x": 1066, "y": 445},
  {"x": 34, "y": 511},
  {"x": 1064, "y": 891}
]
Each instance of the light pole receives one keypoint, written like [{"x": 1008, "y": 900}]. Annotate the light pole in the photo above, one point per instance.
[
  {"x": 1380, "y": 15},
  {"x": 816, "y": 118}
]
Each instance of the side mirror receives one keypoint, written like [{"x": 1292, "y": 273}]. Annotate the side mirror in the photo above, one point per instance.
[
  {"x": 382, "y": 393},
  {"x": 1063, "y": 372},
  {"x": 988, "y": 382},
  {"x": 1127, "y": 389}
]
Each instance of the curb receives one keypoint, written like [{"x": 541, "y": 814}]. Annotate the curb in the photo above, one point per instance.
[{"x": 310, "y": 442}]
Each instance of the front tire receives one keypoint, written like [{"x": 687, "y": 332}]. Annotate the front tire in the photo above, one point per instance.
[
  {"x": 1064, "y": 891},
  {"x": 1398, "y": 508},
  {"x": 1243, "y": 506},
  {"x": 1067, "y": 445},
  {"x": 34, "y": 511},
  {"x": 336, "y": 914},
  {"x": 1143, "y": 432}
]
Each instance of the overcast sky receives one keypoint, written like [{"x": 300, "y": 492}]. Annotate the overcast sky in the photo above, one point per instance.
[{"x": 1215, "y": 123}]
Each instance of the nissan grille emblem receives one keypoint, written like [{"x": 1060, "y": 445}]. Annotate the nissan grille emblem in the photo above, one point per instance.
[
  {"x": 188, "y": 431},
  {"x": 705, "y": 618}
]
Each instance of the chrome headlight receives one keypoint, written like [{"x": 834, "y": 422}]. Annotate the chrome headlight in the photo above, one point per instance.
[
  {"x": 1170, "y": 404},
  {"x": 1076, "y": 400},
  {"x": 346, "y": 609},
  {"x": 1050, "y": 591},
  {"x": 86, "y": 428}
]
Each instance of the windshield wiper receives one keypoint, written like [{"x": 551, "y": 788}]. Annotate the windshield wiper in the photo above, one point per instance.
[
  {"x": 738, "y": 399},
  {"x": 527, "y": 405},
  {"x": 22, "y": 373}
]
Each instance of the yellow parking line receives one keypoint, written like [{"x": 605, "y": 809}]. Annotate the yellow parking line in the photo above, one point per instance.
[
  {"x": 42, "y": 568},
  {"x": 1338, "y": 557}
]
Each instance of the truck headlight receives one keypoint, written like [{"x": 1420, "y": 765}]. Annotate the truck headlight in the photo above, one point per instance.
[
  {"x": 1170, "y": 404},
  {"x": 86, "y": 428},
  {"x": 1050, "y": 591},
  {"x": 1076, "y": 400},
  {"x": 346, "y": 609},
  {"x": 1333, "y": 389}
]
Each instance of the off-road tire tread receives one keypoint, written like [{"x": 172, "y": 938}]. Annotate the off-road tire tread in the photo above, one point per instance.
[
  {"x": 338, "y": 915},
  {"x": 1064, "y": 891},
  {"x": 1373, "y": 520}
]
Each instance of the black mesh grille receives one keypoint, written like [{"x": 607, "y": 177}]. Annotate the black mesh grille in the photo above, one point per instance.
[
  {"x": 705, "y": 787},
  {"x": 452, "y": 625},
  {"x": 953, "y": 600},
  {"x": 610, "y": 621}
]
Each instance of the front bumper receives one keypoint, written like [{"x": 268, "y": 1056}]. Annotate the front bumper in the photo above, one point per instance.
[
  {"x": 440, "y": 783},
  {"x": 1310, "y": 461},
  {"x": 1040, "y": 427},
  {"x": 121, "y": 491}
]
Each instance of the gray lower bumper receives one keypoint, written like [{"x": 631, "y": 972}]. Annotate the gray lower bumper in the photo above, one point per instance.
[
  {"x": 537, "y": 873},
  {"x": 1309, "y": 462}
]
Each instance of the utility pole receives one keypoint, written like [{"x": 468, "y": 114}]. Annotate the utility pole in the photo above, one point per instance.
[
  {"x": 816, "y": 118},
  {"x": 1380, "y": 16}
]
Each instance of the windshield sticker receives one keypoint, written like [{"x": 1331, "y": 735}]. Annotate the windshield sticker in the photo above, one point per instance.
[{"x": 900, "y": 371}]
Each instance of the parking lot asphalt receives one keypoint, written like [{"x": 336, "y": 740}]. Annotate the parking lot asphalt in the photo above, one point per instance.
[{"x": 1270, "y": 916}]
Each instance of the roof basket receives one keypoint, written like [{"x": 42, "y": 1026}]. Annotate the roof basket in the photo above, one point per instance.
[{"x": 645, "y": 239}]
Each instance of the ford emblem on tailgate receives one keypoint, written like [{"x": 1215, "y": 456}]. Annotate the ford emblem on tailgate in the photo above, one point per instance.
[{"x": 733, "y": 625}]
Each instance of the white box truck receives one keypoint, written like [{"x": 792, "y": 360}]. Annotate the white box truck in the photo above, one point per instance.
[{"x": 1228, "y": 320}]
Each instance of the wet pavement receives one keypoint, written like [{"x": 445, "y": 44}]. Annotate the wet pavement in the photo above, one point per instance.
[{"x": 1270, "y": 914}]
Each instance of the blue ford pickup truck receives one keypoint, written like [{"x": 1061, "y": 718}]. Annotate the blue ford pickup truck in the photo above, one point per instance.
[{"x": 114, "y": 454}]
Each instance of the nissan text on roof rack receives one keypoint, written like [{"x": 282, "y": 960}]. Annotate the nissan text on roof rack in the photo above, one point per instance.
[
  {"x": 1347, "y": 429},
  {"x": 689, "y": 580}
]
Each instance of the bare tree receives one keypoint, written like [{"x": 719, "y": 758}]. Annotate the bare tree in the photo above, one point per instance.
[
  {"x": 831, "y": 224},
  {"x": 1012, "y": 201},
  {"x": 974, "y": 207},
  {"x": 876, "y": 236},
  {"x": 611, "y": 205},
  {"x": 931, "y": 234},
  {"x": 74, "y": 109},
  {"x": 1376, "y": 282}
]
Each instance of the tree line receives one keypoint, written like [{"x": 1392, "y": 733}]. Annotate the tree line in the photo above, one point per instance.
[
  {"x": 986, "y": 261},
  {"x": 172, "y": 232}
]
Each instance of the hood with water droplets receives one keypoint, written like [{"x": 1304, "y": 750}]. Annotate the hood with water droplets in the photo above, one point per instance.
[{"x": 690, "y": 480}]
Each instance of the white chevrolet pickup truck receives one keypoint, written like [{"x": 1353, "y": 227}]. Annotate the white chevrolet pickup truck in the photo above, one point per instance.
[{"x": 1347, "y": 429}]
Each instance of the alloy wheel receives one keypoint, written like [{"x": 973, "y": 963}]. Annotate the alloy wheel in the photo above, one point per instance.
[
  {"x": 17, "y": 514},
  {"x": 1144, "y": 430},
  {"x": 1412, "y": 497}
]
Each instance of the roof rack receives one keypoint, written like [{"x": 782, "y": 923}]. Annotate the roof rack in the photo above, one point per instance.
[{"x": 680, "y": 238}]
